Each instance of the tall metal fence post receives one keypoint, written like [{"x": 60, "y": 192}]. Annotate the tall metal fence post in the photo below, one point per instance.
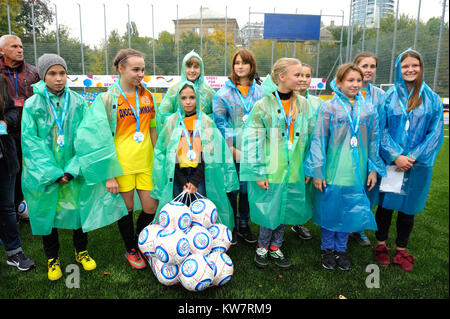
[
  {"x": 153, "y": 35},
  {"x": 81, "y": 38},
  {"x": 271, "y": 65},
  {"x": 57, "y": 31},
  {"x": 364, "y": 26},
  {"x": 377, "y": 18},
  {"x": 129, "y": 27},
  {"x": 438, "y": 55},
  {"x": 226, "y": 41},
  {"x": 34, "y": 34},
  {"x": 106, "y": 40},
  {"x": 391, "y": 71},
  {"x": 248, "y": 28},
  {"x": 416, "y": 33},
  {"x": 201, "y": 31},
  {"x": 318, "y": 50},
  {"x": 347, "y": 49},
  {"x": 178, "y": 45}
]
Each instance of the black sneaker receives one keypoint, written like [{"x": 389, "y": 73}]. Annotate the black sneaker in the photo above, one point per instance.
[
  {"x": 261, "y": 260},
  {"x": 328, "y": 259},
  {"x": 302, "y": 232},
  {"x": 279, "y": 259},
  {"x": 343, "y": 261},
  {"x": 234, "y": 237},
  {"x": 21, "y": 261},
  {"x": 246, "y": 234}
]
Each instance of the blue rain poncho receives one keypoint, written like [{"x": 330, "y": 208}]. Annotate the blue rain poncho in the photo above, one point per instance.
[
  {"x": 421, "y": 142},
  {"x": 374, "y": 95},
  {"x": 73, "y": 205},
  {"x": 265, "y": 155},
  {"x": 343, "y": 206},
  {"x": 229, "y": 109},
  {"x": 313, "y": 101},
  {"x": 220, "y": 173},
  {"x": 168, "y": 105}
]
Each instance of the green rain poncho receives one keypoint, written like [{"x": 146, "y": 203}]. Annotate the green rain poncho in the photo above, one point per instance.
[
  {"x": 71, "y": 205},
  {"x": 220, "y": 172},
  {"x": 265, "y": 155},
  {"x": 168, "y": 105}
]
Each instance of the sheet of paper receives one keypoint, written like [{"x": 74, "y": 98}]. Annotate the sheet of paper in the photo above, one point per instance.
[{"x": 393, "y": 182}]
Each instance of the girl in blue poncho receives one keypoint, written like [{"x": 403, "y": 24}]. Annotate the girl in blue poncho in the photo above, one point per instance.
[
  {"x": 343, "y": 159},
  {"x": 231, "y": 107},
  {"x": 412, "y": 133}
]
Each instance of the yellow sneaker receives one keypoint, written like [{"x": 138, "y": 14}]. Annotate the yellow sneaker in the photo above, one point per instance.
[
  {"x": 54, "y": 269},
  {"x": 86, "y": 260}
]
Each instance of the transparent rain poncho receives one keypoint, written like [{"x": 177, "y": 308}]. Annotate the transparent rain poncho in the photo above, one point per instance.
[
  {"x": 265, "y": 155},
  {"x": 168, "y": 105},
  {"x": 220, "y": 173},
  {"x": 343, "y": 206},
  {"x": 230, "y": 108},
  {"x": 421, "y": 142},
  {"x": 72, "y": 205}
]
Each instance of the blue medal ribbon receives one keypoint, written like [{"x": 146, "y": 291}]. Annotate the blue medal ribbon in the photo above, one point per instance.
[
  {"x": 287, "y": 119},
  {"x": 248, "y": 101},
  {"x": 354, "y": 126},
  {"x": 186, "y": 133},
  {"x": 137, "y": 112},
  {"x": 59, "y": 122},
  {"x": 14, "y": 83},
  {"x": 402, "y": 106}
]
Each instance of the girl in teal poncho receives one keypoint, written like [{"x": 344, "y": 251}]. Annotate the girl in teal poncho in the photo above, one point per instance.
[
  {"x": 314, "y": 102},
  {"x": 211, "y": 170},
  {"x": 53, "y": 180}
]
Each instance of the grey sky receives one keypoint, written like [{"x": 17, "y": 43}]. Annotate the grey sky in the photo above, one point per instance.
[{"x": 165, "y": 13}]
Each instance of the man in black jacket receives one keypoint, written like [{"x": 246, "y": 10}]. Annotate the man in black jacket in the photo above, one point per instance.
[
  {"x": 19, "y": 76},
  {"x": 9, "y": 167}
]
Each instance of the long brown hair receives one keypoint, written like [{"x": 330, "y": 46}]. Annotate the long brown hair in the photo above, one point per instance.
[
  {"x": 414, "y": 100},
  {"x": 248, "y": 57}
]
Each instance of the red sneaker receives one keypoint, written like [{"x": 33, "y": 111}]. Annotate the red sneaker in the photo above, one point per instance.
[
  {"x": 382, "y": 254},
  {"x": 403, "y": 259},
  {"x": 135, "y": 259}
]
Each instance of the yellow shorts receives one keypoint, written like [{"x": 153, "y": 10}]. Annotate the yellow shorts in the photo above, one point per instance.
[{"x": 141, "y": 181}]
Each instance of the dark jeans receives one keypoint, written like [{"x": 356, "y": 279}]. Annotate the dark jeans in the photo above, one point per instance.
[
  {"x": 8, "y": 221},
  {"x": 405, "y": 225},
  {"x": 51, "y": 242}
]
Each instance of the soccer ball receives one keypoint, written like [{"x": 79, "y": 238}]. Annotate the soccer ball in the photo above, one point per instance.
[
  {"x": 165, "y": 273},
  {"x": 146, "y": 239},
  {"x": 175, "y": 215},
  {"x": 197, "y": 272},
  {"x": 200, "y": 240},
  {"x": 221, "y": 236},
  {"x": 204, "y": 212},
  {"x": 225, "y": 268},
  {"x": 22, "y": 210},
  {"x": 171, "y": 246}
]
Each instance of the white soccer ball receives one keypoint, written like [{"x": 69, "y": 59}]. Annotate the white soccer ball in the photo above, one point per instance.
[
  {"x": 165, "y": 273},
  {"x": 147, "y": 238},
  {"x": 197, "y": 272},
  {"x": 225, "y": 268},
  {"x": 171, "y": 246},
  {"x": 204, "y": 212},
  {"x": 22, "y": 210},
  {"x": 175, "y": 215},
  {"x": 221, "y": 236},
  {"x": 200, "y": 240}
]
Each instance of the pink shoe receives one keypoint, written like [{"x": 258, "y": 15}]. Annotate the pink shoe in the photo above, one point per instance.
[
  {"x": 403, "y": 259},
  {"x": 135, "y": 259},
  {"x": 382, "y": 254}
]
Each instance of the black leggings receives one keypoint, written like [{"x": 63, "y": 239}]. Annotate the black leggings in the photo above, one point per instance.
[
  {"x": 405, "y": 225},
  {"x": 51, "y": 242}
]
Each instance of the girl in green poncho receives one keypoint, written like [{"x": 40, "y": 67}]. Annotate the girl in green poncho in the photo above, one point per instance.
[
  {"x": 276, "y": 139},
  {"x": 199, "y": 163},
  {"x": 314, "y": 102},
  {"x": 192, "y": 70}
]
